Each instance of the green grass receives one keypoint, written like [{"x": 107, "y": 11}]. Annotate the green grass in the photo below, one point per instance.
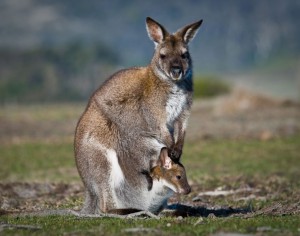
[
  {"x": 243, "y": 157},
  {"x": 212, "y": 163},
  {"x": 42, "y": 112},
  {"x": 46, "y": 161},
  {"x": 57, "y": 225},
  {"x": 42, "y": 162}
]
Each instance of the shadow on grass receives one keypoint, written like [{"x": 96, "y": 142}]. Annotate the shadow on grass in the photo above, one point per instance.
[{"x": 185, "y": 211}]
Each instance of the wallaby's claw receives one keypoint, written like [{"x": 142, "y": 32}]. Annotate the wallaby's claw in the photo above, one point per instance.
[{"x": 175, "y": 153}]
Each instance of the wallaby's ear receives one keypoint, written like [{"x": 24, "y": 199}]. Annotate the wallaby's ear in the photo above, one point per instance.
[
  {"x": 166, "y": 161},
  {"x": 156, "y": 32},
  {"x": 189, "y": 32}
]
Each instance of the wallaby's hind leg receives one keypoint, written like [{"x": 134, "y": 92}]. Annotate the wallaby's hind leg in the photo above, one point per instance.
[
  {"x": 90, "y": 203},
  {"x": 94, "y": 169}
]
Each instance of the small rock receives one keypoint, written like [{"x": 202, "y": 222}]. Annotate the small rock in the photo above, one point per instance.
[
  {"x": 197, "y": 199},
  {"x": 211, "y": 216}
]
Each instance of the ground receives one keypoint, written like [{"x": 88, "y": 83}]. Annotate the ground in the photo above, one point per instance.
[{"x": 241, "y": 157}]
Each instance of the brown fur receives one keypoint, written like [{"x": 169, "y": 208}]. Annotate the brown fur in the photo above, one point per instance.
[{"x": 130, "y": 117}]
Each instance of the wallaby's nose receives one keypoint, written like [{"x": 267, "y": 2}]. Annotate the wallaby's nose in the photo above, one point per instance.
[{"x": 176, "y": 72}]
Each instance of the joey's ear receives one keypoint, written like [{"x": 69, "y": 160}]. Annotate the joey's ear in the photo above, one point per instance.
[
  {"x": 166, "y": 161},
  {"x": 156, "y": 32},
  {"x": 189, "y": 32}
]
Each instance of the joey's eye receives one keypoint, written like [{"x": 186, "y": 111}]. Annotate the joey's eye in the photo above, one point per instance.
[
  {"x": 178, "y": 177},
  {"x": 185, "y": 55},
  {"x": 162, "y": 56}
]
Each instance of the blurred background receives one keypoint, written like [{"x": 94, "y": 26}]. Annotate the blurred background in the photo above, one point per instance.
[
  {"x": 245, "y": 121},
  {"x": 52, "y": 50}
]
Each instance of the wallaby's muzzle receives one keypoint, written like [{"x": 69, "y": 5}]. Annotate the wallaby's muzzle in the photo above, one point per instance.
[{"x": 176, "y": 72}]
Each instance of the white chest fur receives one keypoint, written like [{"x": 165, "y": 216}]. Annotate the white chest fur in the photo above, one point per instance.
[
  {"x": 157, "y": 196},
  {"x": 176, "y": 103},
  {"x": 143, "y": 199}
]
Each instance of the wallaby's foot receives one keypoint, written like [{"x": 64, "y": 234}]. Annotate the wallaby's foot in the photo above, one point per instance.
[
  {"x": 69, "y": 212},
  {"x": 87, "y": 211},
  {"x": 143, "y": 213},
  {"x": 112, "y": 215}
]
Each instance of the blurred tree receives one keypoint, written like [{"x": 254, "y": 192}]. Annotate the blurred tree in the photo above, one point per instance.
[{"x": 58, "y": 73}]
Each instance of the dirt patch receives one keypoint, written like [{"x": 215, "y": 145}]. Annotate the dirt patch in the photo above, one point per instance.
[
  {"x": 243, "y": 114},
  {"x": 273, "y": 196},
  {"x": 27, "y": 197}
]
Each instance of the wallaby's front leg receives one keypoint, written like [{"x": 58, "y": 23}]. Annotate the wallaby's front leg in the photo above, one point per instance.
[{"x": 175, "y": 151}]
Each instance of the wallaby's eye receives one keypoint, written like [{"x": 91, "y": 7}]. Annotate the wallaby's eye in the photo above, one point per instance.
[
  {"x": 162, "y": 56},
  {"x": 178, "y": 177},
  {"x": 185, "y": 55}
]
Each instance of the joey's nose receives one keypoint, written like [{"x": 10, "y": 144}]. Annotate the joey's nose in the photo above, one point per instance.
[
  {"x": 186, "y": 190},
  {"x": 176, "y": 71}
]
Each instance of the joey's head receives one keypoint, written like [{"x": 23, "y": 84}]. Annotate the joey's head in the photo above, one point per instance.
[
  {"x": 171, "y": 60},
  {"x": 170, "y": 173}
]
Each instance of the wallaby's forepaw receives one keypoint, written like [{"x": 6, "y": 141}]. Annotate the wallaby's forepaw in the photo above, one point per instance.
[{"x": 175, "y": 153}]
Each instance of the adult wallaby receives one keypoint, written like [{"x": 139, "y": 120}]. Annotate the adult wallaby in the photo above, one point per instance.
[
  {"x": 167, "y": 177},
  {"x": 134, "y": 114}
]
